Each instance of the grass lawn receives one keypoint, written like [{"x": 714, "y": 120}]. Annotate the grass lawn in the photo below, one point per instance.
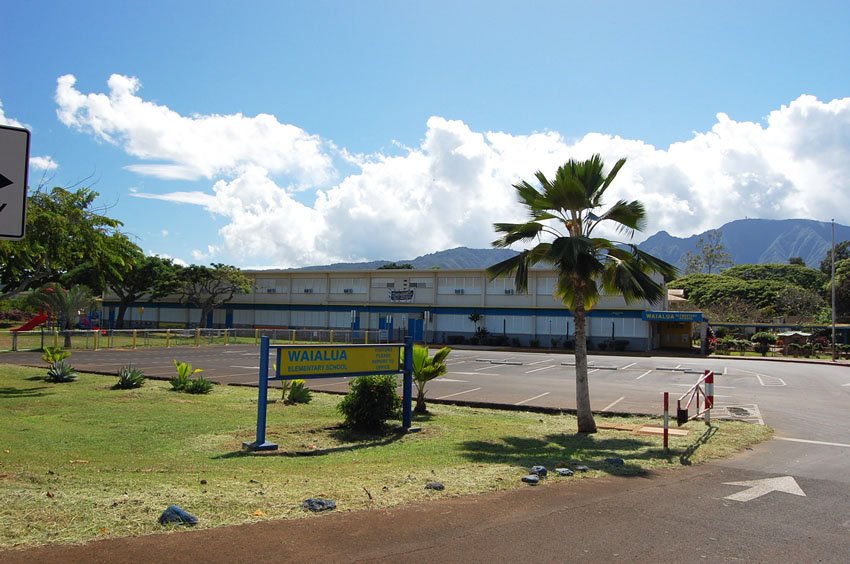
[{"x": 80, "y": 461}]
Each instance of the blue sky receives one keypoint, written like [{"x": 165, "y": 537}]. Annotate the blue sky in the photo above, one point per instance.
[{"x": 295, "y": 133}]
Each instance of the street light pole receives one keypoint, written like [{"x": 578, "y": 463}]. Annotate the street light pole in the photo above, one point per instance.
[{"x": 834, "y": 356}]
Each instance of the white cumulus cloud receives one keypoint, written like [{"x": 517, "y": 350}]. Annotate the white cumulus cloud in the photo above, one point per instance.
[
  {"x": 194, "y": 146},
  {"x": 43, "y": 163},
  {"x": 450, "y": 188}
]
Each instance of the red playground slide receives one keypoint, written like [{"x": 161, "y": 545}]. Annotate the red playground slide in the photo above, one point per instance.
[{"x": 33, "y": 323}]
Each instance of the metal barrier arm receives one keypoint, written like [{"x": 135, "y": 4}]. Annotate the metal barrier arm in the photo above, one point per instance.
[{"x": 695, "y": 391}]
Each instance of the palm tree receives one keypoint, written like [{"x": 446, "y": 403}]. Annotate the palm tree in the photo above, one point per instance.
[
  {"x": 425, "y": 369},
  {"x": 66, "y": 305},
  {"x": 563, "y": 214}
]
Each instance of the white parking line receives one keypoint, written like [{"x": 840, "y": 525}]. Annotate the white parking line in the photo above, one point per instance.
[
  {"x": 644, "y": 374},
  {"x": 539, "y": 369},
  {"x": 594, "y": 370},
  {"x": 247, "y": 367},
  {"x": 540, "y": 362},
  {"x": 606, "y": 408},
  {"x": 490, "y": 367},
  {"x": 476, "y": 373},
  {"x": 811, "y": 442},
  {"x": 628, "y": 366},
  {"x": 459, "y": 393},
  {"x": 534, "y": 398}
]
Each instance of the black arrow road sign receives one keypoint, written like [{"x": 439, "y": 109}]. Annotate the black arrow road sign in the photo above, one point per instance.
[{"x": 4, "y": 181}]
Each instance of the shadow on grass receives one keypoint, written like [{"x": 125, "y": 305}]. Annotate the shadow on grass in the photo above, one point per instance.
[
  {"x": 569, "y": 450},
  {"x": 685, "y": 456},
  {"x": 353, "y": 441},
  {"x": 9, "y": 393}
]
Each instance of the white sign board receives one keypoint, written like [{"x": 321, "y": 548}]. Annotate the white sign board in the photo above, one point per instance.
[{"x": 14, "y": 166}]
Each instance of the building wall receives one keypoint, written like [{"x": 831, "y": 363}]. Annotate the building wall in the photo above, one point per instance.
[{"x": 326, "y": 299}]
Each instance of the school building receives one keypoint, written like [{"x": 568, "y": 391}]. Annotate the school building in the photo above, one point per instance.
[{"x": 432, "y": 305}]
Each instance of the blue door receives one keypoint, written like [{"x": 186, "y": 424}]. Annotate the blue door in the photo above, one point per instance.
[{"x": 416, "y": 329}]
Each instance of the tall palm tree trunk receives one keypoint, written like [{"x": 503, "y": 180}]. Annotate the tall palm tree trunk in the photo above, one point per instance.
[{"x": 586, "y": 424}]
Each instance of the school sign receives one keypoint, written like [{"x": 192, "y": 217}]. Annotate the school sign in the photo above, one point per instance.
[
  {"x": 329, "y": 361},
  {"x": 353, "y": 360}
]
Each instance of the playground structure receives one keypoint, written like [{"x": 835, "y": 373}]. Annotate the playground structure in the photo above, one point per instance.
[{"x": 36, "y": 321}]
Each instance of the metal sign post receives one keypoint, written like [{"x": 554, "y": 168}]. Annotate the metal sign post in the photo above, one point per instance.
[{"x": 14, "y": 167}]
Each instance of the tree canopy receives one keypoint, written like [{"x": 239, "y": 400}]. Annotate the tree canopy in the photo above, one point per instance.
[
  {"x": 207, "y": 287},
  {"x": 64, "y": 230}
]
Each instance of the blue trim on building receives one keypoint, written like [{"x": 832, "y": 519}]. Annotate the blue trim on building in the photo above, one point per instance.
[{"x": 436, "y": 310}]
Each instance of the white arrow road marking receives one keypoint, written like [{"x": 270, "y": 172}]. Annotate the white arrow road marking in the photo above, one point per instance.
[{"x": 758, "y": 488}]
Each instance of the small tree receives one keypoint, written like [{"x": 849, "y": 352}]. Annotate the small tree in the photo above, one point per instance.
[
  {"x": 710, "y": 256},
  {"x": 207, "y": 287},
  {"x": 425, "y": 369},
  {"x": 65, "y": 305}
]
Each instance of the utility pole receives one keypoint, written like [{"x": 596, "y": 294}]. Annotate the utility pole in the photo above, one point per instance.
[{"x": 834, "y": 355}]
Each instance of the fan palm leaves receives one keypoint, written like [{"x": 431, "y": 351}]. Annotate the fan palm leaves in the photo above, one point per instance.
[{"x": 564, "y": 215}]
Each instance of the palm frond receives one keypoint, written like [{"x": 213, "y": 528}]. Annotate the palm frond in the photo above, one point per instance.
[
  {"x": 629, "y": 216},
  {"x": 516, "y": 232}
]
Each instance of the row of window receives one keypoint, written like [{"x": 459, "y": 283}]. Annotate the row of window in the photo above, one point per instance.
[{"x": 458, "y": 285}]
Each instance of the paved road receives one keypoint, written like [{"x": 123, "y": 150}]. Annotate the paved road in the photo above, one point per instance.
[{"x": 728, "y": 510}]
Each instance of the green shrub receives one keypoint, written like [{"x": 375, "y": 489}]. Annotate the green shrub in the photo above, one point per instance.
[
  {"x": 129, "y": 377},
  {"x": 199, "y": 385},
  {"x": 60, "y": 371},
  {"x": 371, "y": 400},
  {"x": 298, "y": 393},
  {"x": 54, "y": 354},
  {"x": 184, "y": 372},
  {"x": 763, "y": 340}
]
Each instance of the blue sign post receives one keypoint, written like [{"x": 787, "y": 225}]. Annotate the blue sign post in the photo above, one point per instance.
[{"x": 330, "y": 361}]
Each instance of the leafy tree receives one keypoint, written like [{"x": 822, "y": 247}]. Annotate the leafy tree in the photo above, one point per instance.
[
  {"x": 396, "y": 266},
  {"x": 207, "y": 287},
  {"x": 842, "y": 252},
  {"x": 119, "y": 254},
  {"x": 711, "y": 254},
  {"x": 788, "y": 273},
  {"x": 147, "y": 276},
  {"x": 65, "y": 305},
  {"x": 425, "y": 369},
  {"x": 63, "y": 231},
  {"x": 795, "y": 301},
  {"x": 563, "y": 215},
  {"x": 797, "y": 260}
]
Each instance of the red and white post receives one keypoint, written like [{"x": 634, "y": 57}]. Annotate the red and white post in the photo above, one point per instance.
[
  {"x": 666, "y": 417},
  {"x": 709, "y": 395}
]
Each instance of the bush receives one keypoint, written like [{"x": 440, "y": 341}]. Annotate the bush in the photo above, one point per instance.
[
  {"x": 54, "y": 354},
  {"x": 60, "y": 371},
  {"x": 621, "y": 344},
  {"x": 763, "y": 340},
  {"x": 455, "y": 339},
  {"x": 371, "y": 400},
  {"x": 298, "y": 393},
  {"x": 129, "y": 377},
  {"x": 515, "y": 342},
  {"x": 184, "y": 373},
  {"x": 199, "y": 385}
]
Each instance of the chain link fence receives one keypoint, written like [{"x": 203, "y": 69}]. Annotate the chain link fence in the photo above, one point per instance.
[{"x": 143, "y": 338}]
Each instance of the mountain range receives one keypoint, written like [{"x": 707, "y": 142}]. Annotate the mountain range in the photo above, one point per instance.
[
  {"x": 747, "y": 241},
  {"x": 757, "y": 241}
]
